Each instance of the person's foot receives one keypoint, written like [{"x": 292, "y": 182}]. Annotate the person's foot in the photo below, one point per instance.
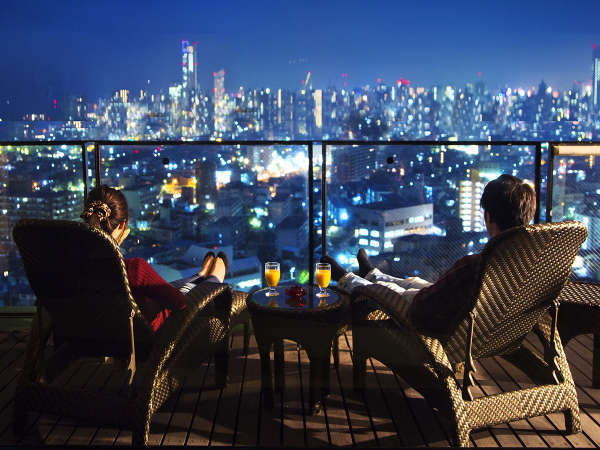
[
  {"x": 337, "y": 271},
  {"x": 207, "y": 264},
  {"x": 220, "y": 267},
  {"x": 364, "y": 265}
]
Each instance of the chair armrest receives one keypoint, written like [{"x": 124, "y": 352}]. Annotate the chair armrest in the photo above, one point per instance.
[
  {"x": 391, "y": 302},
  {"x": 205, "y": 302}
]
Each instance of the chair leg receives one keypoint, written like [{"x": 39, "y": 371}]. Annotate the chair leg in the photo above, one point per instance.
[
  {"x": 222, "y": 364},
  {"x": 462, "y": 437},
  {"x": 19, "y": 417},
  {"x": 359, "y": 365},
  {"x": 572, "y": 421},
  {"x": 596, "y": 361},
  {"x": 336, "y": 352},
  {"x": 246, "y": 336}
]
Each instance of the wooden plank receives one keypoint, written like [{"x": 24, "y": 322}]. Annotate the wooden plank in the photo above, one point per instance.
[
  {"x": 407, "y": 429},
  {"x": 270, "y": 421},
  {"x": 316, "y": 427},
  {"x": 294, "y": 408},
  {"x": 224, "y": 421},
  {"x": 249, "y": 410},
  {"x": 185, "y": 410},
  {"x": 163, "y": 417},
  {"x": 202, "y": 422},
  {"x": 84, "y": 432},
  {"x": 379, "y": 412},
  {"x": 334, "y": 408},
  {"x": 65, "y": 426},
  {"x": 108, "y": 435},
  {"x": 42, "y": 424},
  {"x": 362, "y": 429}
]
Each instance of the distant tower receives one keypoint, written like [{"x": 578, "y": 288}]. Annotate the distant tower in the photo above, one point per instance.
[
  {"x": 219, "y": 100},
  {"x": 206, "y": 182},
  {"x": 468, "y": 203},
  {"x": 189, "y": 73},
  {"x": 596, "y": 77}
]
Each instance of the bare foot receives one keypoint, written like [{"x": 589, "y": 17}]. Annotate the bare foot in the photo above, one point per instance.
[
  {"x": 219, "y": 270},
  {"x": 206, "y": 264}
]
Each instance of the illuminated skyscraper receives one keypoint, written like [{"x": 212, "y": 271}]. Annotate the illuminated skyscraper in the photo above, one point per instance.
[
  {"x": 318, "y": 110},
  {"x": 189, "y": 72},
  {"x": 596, "y": 78},
  {"x": 220, "y": 101},
  {"x": 468, "y": 203}
]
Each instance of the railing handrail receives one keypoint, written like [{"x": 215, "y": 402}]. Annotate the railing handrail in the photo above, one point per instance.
[{"x": 96, "y": 144}]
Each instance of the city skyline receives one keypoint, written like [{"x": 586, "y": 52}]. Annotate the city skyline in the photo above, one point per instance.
[{"x": 93, "y": 49}]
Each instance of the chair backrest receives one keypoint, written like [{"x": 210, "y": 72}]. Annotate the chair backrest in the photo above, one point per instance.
[
  {"x": 522, "y": 271},
  {"x": 78, "y": 275}
]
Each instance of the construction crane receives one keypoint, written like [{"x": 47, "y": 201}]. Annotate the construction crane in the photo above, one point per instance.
[{"x": 305, "y": 83}]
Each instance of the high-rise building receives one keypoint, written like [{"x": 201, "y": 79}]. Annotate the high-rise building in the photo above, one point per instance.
[
  {"x": 220, "y": 101},
  {"x": 206, "y": 182},
  {"x": 596, "y": 77},
  {"x": 189, "y": 72},
  {"x": 468, "y": 203}
]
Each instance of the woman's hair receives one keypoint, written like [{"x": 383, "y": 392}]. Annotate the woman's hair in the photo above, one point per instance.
[
  {"x": 509, "y": 201},
  {"x": 105, "y": 208}
]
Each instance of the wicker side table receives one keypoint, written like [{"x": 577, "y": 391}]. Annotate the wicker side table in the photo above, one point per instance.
[{"x": 314, "y": 324}]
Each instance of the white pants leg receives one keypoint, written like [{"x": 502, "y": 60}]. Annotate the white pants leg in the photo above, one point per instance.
[{"x": 376, "y": 276}]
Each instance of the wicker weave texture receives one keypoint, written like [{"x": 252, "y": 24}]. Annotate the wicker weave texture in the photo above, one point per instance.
[
  {"x": 79, "y": 277},
  {"x": 523, "y": 272}
]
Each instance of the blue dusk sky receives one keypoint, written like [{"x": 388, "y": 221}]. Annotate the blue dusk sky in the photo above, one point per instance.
[{"x": 51, "y": 49}]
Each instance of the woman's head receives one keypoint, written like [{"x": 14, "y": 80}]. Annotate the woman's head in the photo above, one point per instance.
[{"x": 105, "y": 208}]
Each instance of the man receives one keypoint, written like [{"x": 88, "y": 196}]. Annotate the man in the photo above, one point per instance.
[{"x": 437, "y": 308}]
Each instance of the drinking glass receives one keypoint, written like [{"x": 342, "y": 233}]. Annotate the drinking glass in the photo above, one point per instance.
[
  {"x": 272, "y": 276},
  {"x": 323, "y": 276}
]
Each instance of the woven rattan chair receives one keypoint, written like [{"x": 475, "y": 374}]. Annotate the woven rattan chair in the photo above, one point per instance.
[
  {"x": 79, "y": 278},
  {"x": 523, "y": 272}
]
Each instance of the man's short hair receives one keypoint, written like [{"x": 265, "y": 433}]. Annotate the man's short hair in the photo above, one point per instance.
[{"x": 509, "y": 201}]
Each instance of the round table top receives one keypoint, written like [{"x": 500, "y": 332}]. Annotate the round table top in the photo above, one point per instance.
[{"x": 309, "y": 301}]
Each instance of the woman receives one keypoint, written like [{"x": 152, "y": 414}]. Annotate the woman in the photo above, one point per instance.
[{"x": 106, "y": 208}]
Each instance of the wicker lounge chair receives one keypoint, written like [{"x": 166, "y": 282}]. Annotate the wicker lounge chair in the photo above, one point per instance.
[
  {"x": 83, "y": 298},
  {"x": 523, "y": 272}
]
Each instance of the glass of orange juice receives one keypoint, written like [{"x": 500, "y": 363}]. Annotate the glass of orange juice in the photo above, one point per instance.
[
  {"x": 272, "y": 274},
  {"x": 323, "y": 276}
]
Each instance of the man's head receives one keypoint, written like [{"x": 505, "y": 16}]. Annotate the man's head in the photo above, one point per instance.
[{"x": 507, "y": 202}]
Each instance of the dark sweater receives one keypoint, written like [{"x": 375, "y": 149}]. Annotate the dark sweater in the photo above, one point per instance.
[{"x": 438, "y": 309}]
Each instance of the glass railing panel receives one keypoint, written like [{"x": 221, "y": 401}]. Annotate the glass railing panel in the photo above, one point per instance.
[
  {"x": 414, "y": 209},
  {"x": 184, "y": 200},
  {"x": 42, "y": 182},
  {"x": 576, "y": 196}
]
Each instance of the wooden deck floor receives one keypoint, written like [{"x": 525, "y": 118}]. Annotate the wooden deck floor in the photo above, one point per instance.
[{"x": 388, "y": 414}]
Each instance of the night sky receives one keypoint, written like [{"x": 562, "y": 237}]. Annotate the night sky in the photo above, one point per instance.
[{"x": 50, "y": 49}]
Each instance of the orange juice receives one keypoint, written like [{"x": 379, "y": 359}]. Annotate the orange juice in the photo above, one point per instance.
[
  {"x": 323, "y": 277},
  {"x": 272, "y": 277}
]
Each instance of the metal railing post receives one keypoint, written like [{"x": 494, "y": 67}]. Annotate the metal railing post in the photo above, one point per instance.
[
  {"x": 97, "y": 163},
  {"x": 311, "y": 217},
  {"x": 538, "y": 182},
  {"x": 324, "y": 199},
  {"x": 549, "y": 183},
  {"x": 84, "y": 175}
]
